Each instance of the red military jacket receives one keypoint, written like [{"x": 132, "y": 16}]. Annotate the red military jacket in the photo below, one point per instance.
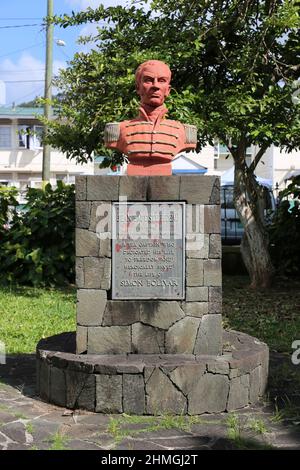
[{"x": 150, "y": 143}]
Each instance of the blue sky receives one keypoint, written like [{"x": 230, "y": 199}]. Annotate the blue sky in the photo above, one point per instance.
[{"x": 22, "y": 48}]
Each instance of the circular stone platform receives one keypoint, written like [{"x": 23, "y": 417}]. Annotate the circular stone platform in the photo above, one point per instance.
[{"x": 153, "y": 384}]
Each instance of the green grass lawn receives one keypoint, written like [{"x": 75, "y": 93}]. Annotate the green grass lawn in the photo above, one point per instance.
[
  {"x": 273, "y": 316},
  {"x": 29, "y": 314}
]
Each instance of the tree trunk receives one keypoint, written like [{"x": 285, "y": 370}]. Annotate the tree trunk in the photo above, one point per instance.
[{"x": 248, "y": 199}]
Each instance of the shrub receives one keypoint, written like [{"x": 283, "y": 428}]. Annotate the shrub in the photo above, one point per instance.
[
  {"x": 8, "y": 202},
  {"x": 38, "y": 246},
  {"x": 285, "y": 231}
]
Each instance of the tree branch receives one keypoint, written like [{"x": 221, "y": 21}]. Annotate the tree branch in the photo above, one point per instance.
[{"x": 257, "y": 157}]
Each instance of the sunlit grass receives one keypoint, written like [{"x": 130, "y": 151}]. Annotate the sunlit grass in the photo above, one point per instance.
[{"x": 29, "y": 314}]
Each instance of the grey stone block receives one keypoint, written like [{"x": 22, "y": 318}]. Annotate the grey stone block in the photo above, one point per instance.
[
  {"x": 218, "y": 366},
  {"x": 238, "y": 392},
  {"x": 81, "y": 390},
  {"x": 212, "y": 219},
  {"x": 255, "y": 384},
  {"x": 210, "y": 396},
  {"x": 160, "y": 314},
  {"x": 134, "y": 187},
  {"x": 214, "y": 307},
  {"x": 109, "y": 340},
  {"x": 162, "y": 396},
  {"x": 44, "y": 376},
  {"x": 195, "y": 309},
  {"x": 79, "y": 273},
  {"x": 209, "y": 337},
  {"x": 82, "y": 214},
  {"x": 215, "y": 194},
  {"x": 97, "y": 273},
  {"x": 215, "y": 294},
  {"x": 133, "y": 394},
  {"x": 105, "y": 245},
  {"x": 81, "y": 339},
  {"x": 194, "y": 218},
  {"x": 80, "y": 187},
  {"x": 187, "y": 377},
  {"x": 87, "y": 243},
  {"x": 164, "y": 188},
  {"x": 197, "y": 246},
  {"x": 194, "y": 272},
  {"x": 121, "y": 312},
  {"x": 212, "y": 272},
  {"x": 58, "y": 392},
  {"x": 90, "y": 306},
  {"x": 233, "y": 373},
  {"x": 37, "y": 370},
  {"x": 146, "y": 339},
  {"x": 196, "y": 294},
  {"x": 103, "y": 188},
  {"x": 197, "y": 189},
  {"x": 109, "y": 394},
  {"x": 87, "y": 396},
  {"x": 180, "y": 338},
  {"x": 264, "y": 372},
  {"x": 215, "y": 246},
  {"x": 100, "y": 219}
]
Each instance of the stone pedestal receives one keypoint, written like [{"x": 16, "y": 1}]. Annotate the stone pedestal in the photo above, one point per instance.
[
  {"x": 150, "y": 355},
  {"x": 191, "y": 325}
]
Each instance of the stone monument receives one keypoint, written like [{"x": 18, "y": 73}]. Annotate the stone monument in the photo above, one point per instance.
[{"x": 149, "y": 334}]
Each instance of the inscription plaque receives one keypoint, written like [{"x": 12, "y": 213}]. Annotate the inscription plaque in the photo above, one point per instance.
[{"x": 148, "y": 250}]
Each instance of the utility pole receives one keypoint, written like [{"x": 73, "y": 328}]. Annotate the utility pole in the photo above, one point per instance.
[{"x": 48, "y": 91}]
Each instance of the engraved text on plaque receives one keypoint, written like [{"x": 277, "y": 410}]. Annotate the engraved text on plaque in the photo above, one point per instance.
[{"x": 148, "y": 251}]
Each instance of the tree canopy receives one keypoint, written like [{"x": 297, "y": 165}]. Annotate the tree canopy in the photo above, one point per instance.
[
  {"x": 235, "y": 66},
  {"x": 234, "y": 63}
]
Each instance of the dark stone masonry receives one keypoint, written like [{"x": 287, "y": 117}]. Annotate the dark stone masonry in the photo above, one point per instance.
[
  {"x": 158, "y": 355},
  {"x": 153, "y": 383}
]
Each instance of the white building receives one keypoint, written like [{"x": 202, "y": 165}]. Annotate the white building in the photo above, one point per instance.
[
  {"x": 21, "y": 152},
  {"x": 275, "y": 165}
]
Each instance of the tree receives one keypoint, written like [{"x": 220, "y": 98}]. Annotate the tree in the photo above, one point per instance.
[{"x": 235, "y": 65}]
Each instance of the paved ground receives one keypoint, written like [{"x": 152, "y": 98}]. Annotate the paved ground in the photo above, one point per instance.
[{"x": 26, "y": 422}]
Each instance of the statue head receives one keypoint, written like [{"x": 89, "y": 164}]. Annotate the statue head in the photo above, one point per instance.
[{"x": 152, "y": 81}]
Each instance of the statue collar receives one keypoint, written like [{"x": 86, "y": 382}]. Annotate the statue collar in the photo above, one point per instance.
[{"x": 155, "y": 115}]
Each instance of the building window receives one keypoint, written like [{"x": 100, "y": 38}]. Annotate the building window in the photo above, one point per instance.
[
  {"x": 222, "y": 150},
  {"x": 24, "y": 137},
  {"x": 30, "y": 137},
  {"x": 38, "y": 136},
  {"x": 5, "y": 137}
]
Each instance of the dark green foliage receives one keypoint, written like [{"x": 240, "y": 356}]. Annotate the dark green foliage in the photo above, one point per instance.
[
  {"x": 285, "y": 230},
  {"x": 235, "y": 69},
  {"x": 7, "y": 203},
  {"x": 38, "y": 247}
]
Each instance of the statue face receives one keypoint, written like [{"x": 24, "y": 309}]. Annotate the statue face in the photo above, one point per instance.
[{"x": 154, "y": 85}]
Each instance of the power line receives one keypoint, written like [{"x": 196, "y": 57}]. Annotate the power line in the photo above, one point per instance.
[
  {"x": 22, "y": 71},
  {"x": 36, "y": 91},
  {"x": 20, "y": 25},
  {"x": 21, "y": 81},
  {"x": 24, "y": 49},
  {"x": 19, "y": 19}
]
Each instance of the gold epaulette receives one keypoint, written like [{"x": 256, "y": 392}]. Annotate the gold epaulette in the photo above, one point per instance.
[
  {"x": 112, "y": 132},
  {"x": 190, "y": 133}
]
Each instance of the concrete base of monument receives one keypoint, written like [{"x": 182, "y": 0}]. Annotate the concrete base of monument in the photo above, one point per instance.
[{"x": 153, "y": 384}]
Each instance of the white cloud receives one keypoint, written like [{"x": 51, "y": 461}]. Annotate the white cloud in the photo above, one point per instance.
[
  {"x": 91, "y": 28},
  {"x": 24, "y": 70}
]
